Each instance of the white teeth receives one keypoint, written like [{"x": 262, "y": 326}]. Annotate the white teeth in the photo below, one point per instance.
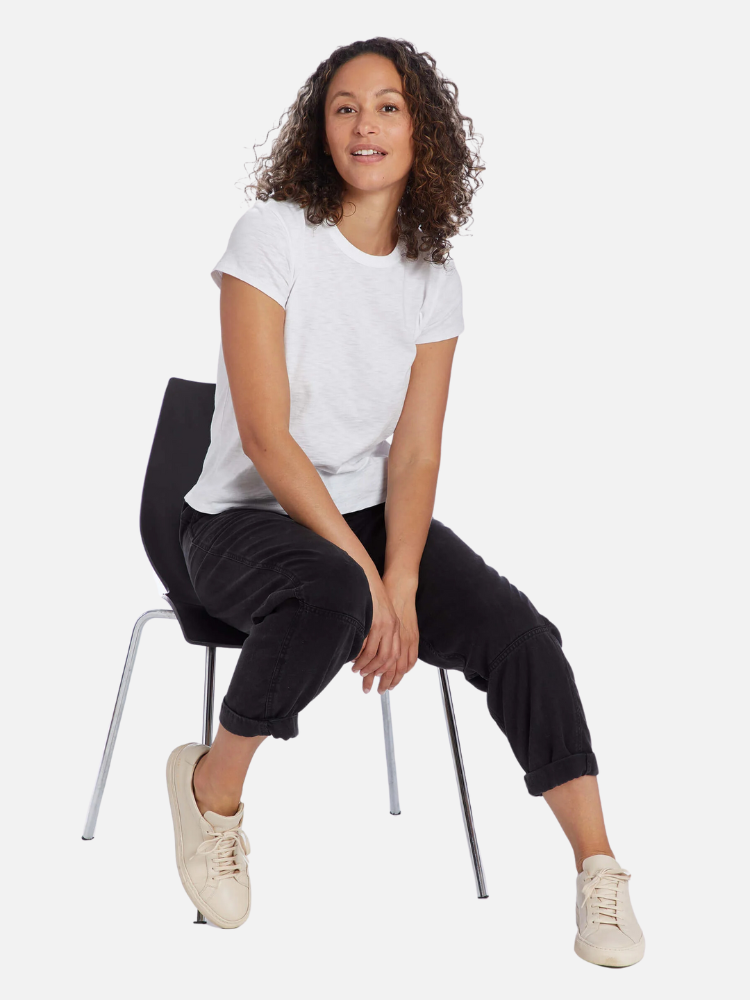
[{"x": 367, "y": 152}]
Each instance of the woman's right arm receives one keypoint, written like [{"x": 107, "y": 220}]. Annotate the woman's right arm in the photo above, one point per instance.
[{"x": 252, "y": 336}]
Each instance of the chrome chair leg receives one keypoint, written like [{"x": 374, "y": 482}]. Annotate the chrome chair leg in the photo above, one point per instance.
[
  {"x": 390, "y": 756},
  {"x": 463, "y": 791},
  {"x": 135, "y": 638},
  {"x": 209, "y": 684}
]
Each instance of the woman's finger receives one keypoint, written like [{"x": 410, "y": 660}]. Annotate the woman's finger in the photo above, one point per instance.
[
  {"x": 391, "y": 652},
  {"x": 398, "y": 651},
  {"x": 369, "y": 651},
  {"x": 385, "y": 655}
]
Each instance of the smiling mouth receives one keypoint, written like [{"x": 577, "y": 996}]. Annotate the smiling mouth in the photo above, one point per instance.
[{"x": 369, "y": 156}]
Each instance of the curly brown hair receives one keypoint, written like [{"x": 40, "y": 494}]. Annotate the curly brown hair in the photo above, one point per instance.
[{"x": 445, "y": 172}]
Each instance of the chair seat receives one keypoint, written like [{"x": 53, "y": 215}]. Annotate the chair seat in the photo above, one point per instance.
[{"x": 201, "y": 629}]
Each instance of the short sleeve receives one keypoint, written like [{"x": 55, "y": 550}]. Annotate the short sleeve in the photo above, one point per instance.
[
  {"x": 441, "y": 316},
  {"x": 259, "y": 252}
]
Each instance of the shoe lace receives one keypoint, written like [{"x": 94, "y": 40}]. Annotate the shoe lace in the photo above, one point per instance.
[
  {"x": 603, "y": 885},
  {"x": 227, "y": 851}
]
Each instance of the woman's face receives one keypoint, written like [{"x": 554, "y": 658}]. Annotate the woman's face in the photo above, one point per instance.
[{"x": 364, "y": 107}]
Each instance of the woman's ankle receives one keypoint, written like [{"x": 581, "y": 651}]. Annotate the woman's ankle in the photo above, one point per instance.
[
  {"x": 589, "y": 852},
  {"x": 223, "y": 801}
]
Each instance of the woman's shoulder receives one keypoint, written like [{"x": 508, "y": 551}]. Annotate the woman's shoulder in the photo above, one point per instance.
[
  {"x": 268, "y": 226},
  {"x": 289, "y": 213},
  {"x": 437, "y": 279}
]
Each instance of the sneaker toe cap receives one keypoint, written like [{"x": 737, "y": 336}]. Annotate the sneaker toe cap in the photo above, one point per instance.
[
  {"x": 231, "y": 899},
  {"x": 613, "y": 938}
]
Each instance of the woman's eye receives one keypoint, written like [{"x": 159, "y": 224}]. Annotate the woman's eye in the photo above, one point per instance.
[{"x": 346, "y": 107}]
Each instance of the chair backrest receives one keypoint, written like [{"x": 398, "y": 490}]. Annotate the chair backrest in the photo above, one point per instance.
[{"x": 181, "y": 440}]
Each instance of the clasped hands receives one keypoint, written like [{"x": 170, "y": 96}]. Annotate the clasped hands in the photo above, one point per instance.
[{"x": 391, "y": 646}]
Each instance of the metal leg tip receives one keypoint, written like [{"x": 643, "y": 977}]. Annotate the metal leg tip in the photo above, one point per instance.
[{"x": 87, "y": 838}]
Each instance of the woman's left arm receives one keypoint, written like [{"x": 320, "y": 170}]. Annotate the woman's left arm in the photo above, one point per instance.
[{"x": 413, "y": 465}]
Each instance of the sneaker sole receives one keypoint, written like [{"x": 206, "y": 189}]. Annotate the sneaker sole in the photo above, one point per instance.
[
  {"x": 187, "y": 884},
  {"x": 614, "y": 959}
]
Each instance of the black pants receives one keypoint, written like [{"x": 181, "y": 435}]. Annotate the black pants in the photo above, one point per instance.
[{"x": 306, "y": 607}]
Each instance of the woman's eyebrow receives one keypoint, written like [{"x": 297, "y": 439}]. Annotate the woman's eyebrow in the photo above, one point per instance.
[{"x": 385, "y": 90}]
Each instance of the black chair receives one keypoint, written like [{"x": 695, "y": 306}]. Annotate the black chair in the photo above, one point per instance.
[{"x": 182, "y": 437}]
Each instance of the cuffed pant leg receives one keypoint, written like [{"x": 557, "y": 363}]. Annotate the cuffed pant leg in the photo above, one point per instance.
[
  {"x": 560, "y": 771},
  {"x": 532, "y": 695},
  {"x": 241, "y": 726},
  {"x": 288, "y": 658}
]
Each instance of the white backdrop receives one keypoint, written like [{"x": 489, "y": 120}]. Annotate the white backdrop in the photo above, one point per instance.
[{"x": 594, "y": 453}]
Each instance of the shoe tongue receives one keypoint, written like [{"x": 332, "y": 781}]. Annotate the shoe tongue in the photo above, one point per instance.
[
  {"x": 596, "y": 861},
  {"x": 221, "y": 823}
]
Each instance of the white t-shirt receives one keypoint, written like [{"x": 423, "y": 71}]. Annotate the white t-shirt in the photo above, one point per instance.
[{"x": 352, "y": 324}]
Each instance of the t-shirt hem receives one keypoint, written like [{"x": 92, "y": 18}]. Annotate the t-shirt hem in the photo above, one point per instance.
[
  {"x": 259, "y": 283},
  {"x": 352, "y": 505},
  {"x": 441, "y": 336}
]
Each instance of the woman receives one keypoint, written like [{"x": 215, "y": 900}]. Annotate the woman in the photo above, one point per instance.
[{"x": 312, "y": 536}]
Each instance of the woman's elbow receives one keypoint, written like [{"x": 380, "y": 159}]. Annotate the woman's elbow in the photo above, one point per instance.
[{"x": 257, "y": 444}]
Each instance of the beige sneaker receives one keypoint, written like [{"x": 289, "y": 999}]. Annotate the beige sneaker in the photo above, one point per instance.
[
  {"x": 608, "y": 933},
  {"x": 210, "y": 849}
]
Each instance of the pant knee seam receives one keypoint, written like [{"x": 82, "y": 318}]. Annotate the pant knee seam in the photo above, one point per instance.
[
  {"x": 444, "y": 656},
  {"x": 329, "y": 612},
  {"x": 514, "y": 645}
]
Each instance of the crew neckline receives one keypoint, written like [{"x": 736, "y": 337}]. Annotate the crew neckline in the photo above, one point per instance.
[{"x": 370, "y": 259}]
